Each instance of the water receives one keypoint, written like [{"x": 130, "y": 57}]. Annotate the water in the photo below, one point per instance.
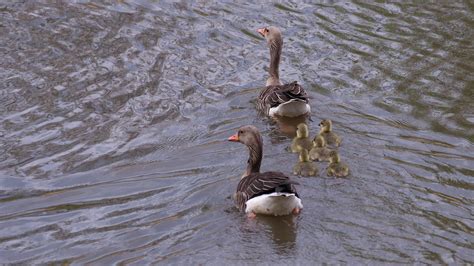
[{"x": 114, "y": 119}]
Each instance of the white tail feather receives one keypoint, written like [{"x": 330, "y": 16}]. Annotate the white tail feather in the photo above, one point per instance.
[{"x": 291, "y": 108}]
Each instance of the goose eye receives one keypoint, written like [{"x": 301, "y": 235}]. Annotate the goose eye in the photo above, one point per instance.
[
  {"x": 241, "y": 132},
  {"x": 267, "y": 30}
]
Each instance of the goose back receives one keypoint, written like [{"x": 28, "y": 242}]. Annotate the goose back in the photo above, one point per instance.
[
  {"x": 275, "y": 95},
  {"x": 257, "y": 184}
]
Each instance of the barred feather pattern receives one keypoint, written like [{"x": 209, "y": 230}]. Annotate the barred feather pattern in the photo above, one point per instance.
[
  {"x": 257, "y": 184},
  {"x": 273, "y": 96}
]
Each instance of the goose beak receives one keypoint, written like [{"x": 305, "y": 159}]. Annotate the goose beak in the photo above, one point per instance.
[
  {"x": 261, "y": 31},
  {"x": 234, "y": 138}
]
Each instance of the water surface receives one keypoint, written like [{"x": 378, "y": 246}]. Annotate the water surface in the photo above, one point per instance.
[{"x": 114, "y": 119}]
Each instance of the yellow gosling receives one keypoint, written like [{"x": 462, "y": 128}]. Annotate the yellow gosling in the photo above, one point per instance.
[
  {"x": 319, "y": 152},
  {"x": 302, "y": 139},
  {"x": 304, "y": 167},
  {"x": 329, "y": 136},
  {"x": 336, "y": 167}
]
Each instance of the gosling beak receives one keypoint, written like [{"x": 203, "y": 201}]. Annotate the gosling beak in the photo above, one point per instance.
[
  {"x": 234, "y": 138},
  {"x": 261, "y": 31}
]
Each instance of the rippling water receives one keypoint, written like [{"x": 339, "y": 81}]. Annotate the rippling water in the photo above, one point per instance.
[{"x": 114, "y": 119}]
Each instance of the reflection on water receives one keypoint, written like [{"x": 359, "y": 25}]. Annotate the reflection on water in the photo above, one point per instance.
[
  {"x": 287, "y": 126},
  {"x": 281, "y": 230},
  {"x": 114, "y": 116}
]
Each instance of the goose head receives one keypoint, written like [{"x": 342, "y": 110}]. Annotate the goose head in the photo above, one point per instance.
[
  {"x": 274, "y": 42},
  {"x": 247, "y": 135},
  {"x": 271, "y": 34},
  {"x": 302, "y": 131},
  {"x": 250, "y": 137},
  {"x": 326, "y": 125}
]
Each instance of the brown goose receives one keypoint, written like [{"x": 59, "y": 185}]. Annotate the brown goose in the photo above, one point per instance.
[
  {"x": 288, "y": 100},
  {"x": 270, "y": 193}
]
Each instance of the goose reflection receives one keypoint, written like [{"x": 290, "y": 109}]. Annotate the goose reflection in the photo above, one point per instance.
[
  {"x": 269, "y": 232},
  {"x": 282, "y": 230},
  {"x": 289, "y": 125}
]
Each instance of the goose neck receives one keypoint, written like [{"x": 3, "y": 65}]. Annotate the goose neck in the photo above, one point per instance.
[
  {"x": 275, "y": 54},
  {"x": 255, "y": 159}
]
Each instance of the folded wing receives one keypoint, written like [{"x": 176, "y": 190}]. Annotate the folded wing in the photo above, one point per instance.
[
  {"x": 257, "y": 184},
  {"x": 273, "y": 96}
]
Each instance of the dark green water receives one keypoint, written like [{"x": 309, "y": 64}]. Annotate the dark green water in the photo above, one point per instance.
[{"x": 114, "y": 119}]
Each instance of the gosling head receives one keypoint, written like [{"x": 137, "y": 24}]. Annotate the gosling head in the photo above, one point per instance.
[
  {"x": 334, "y": 157},
  {"x": 319, "y": 141},
  {"x": 326, "y": 125},
  {"x": 302, "y": 131},
  {"x": 304, "y": 155}
]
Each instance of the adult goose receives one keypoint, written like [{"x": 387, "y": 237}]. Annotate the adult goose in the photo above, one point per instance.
[
  {"x": 270, "y": 193},
  {"x": 288, "y": 100}
]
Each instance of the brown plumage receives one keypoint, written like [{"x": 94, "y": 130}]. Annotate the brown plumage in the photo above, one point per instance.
[
  {"x": 254, "y": 183},
  {"x": 276, "y": 94},
  {"x": 257, "y": 184}
]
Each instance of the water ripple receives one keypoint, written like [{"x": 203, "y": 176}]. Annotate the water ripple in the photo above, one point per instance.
[{"x": 114, "y": 118}]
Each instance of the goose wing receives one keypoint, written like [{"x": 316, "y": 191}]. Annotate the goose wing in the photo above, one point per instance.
[
  {"x": 274, "y": 95},
  {"x": 257, "y": 184}
]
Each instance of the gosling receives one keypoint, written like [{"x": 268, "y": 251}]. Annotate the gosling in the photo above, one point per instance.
[
  {"x": 319, "y": 152},
  {"x": 327, "y": 133},
  {"x": 336, "y": 167},
  {"x": 302, "y": 140},
  {"x": 304, "y": 167}
]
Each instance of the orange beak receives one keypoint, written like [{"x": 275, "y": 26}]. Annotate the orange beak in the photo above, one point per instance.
[
  {"x": 234, "y": 138},
  {"x": 261, "y": 31}
]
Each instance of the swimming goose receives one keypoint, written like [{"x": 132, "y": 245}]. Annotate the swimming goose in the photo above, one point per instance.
[
  {"x": 336, "y": 167},
  {"x": 319, "y": 152},
  {"x": 302, "y": 139},
  {"x": 271, "y": 193},
  {"x": 304, "y": 167},
  {"x": 288, "y": 100},
  {"x": 326, "y": 132}
]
